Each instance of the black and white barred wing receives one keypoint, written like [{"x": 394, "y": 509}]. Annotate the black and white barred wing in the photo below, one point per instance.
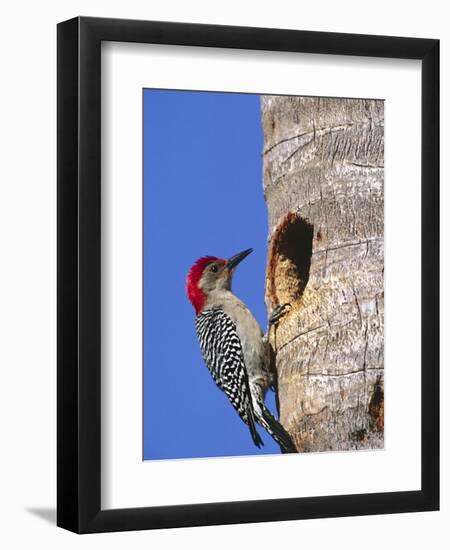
[{"x": 222, "y": 353}]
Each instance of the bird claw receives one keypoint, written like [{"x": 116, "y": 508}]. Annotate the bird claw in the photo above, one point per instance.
[{"x": 278, "y": 312}]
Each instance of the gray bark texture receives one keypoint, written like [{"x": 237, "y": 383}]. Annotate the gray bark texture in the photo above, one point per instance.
[{"x": 323, "y": 183}]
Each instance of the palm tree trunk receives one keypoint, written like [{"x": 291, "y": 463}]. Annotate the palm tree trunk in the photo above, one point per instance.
[{"x": 323, "y": 183}]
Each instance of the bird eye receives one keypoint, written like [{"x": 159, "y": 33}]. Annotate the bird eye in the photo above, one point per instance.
[{"x": 213, "y": 268}]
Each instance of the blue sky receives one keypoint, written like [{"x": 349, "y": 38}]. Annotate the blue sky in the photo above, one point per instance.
[{"x": 202, "y": 195}]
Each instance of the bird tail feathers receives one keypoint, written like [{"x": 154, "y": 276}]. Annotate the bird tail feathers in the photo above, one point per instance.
[
  {"x": 255, "y": 435},
  {"x": 276, "y": 430}
]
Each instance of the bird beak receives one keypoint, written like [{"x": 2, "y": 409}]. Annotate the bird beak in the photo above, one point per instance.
[{"x": 237, "y": 258}]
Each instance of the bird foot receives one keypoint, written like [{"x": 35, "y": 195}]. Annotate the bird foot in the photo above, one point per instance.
[{"x": 278, "y": 312}]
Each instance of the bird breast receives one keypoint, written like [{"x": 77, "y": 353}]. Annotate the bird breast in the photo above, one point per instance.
[{"x": 254, "y": 349}]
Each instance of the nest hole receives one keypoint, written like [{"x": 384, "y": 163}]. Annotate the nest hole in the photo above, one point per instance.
[{"x": 290, "y": 260}]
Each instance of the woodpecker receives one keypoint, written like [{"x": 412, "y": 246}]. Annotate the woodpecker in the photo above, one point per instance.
[{"x": 233, "y": 345}]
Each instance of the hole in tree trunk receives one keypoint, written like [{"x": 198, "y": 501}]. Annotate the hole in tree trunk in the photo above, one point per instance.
[{"x": 289, "y": 261}]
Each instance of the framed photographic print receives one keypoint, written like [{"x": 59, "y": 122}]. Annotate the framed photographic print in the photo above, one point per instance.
[{"x": 248, "y": 256}]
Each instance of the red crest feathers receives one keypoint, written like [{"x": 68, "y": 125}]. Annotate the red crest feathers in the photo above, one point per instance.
[{"x": 195, "y": 294}]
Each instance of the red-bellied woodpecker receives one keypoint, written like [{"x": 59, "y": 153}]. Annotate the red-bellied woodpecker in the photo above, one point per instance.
[{"x": 233, "y": 345}]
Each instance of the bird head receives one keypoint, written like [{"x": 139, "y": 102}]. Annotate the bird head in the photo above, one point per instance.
[{"x": 210, "y": 274}]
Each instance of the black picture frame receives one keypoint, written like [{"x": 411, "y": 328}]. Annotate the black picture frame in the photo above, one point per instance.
[{"x": 79, "y": 279}]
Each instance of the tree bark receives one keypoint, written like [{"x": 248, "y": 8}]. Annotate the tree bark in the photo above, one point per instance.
[{"x": 323, "y": 183}]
